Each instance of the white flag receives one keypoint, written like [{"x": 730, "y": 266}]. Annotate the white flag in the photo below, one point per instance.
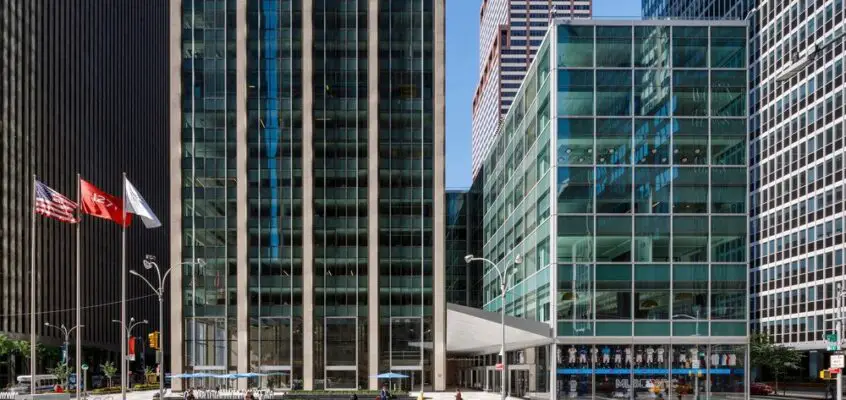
[{"x": 135, "y": 204}]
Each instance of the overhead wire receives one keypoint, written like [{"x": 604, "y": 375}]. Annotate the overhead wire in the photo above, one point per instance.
[{"x": 74, "y": 308}]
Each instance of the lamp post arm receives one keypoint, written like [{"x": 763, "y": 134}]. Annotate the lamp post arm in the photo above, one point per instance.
[
  {"x": 148, "y": 284},
  {"x": 164, "y": 278},
  {"x": 75, "y": 327},
  {"x": 495, "y": 267},
  {"x": 158, "y": 273}
]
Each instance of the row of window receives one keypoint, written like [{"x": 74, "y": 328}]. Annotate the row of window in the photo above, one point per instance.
[
  {"x": 800, "y": 213},
  {"x": 650, "y": 47},
  {"x": 626, "y": 92}
]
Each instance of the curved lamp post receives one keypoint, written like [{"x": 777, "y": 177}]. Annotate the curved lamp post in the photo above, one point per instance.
[
  {"x": 502, "y": 284},
  {"x": 66, "y": 332},
  {"x": 150, "y": 263}
]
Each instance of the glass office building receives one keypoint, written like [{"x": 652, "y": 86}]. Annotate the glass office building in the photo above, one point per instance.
[
  {"x": 620, "y": 179},
  {"x": 310, "y": 175}
]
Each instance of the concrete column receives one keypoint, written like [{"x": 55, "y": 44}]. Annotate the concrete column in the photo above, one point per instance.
[
  {"x": 308, "y": 198},
  {"x": 175, "y": 156},
  {"x": 439, "y": 269},
  {"x": 242, "y": 297},
  {"x": 373, "y": 193}
]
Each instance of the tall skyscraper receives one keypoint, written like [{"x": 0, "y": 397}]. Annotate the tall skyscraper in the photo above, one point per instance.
[
  {"x": 82, "y": 90},
  {"x": 615, "y": 198},
  {"x": 796, "y": 151},
  {"x": 510, "y": 32},
  {"x": 308, "y": 159}
]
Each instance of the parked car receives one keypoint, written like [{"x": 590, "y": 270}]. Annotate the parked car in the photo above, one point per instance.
[{"x": 760, "y": 389}]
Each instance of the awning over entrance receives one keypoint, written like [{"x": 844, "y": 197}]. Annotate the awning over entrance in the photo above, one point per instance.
[{"x": 471, "y": 330}]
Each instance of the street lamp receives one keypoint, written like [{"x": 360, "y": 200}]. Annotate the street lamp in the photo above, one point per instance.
[
  {"x": 124, "y": 365},
  {"x": 66, "y": 332},
  {"x": 503, "y": 275},
  {"x": 150, "y": 263}
]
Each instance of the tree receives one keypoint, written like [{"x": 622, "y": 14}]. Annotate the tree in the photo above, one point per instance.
[
  {"x": 776, "y": 358},
  {"x": 62, "y": 371},
  {"x": 6, "y": 351},
  {"x": 109, "y": 370}
]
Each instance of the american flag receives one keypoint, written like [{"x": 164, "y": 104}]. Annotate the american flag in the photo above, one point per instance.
[{"x": 52, "y": 204}]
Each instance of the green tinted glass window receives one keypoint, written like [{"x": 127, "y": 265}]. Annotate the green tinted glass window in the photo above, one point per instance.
[
  {"x": 690, "y": 90},
  {"x": 575, "y": 92},
  {"x": 728, "y": 141},
  {"x": 728, "y": 47},
  {"x": 690, "y": 46},
  {"x": 575, "y": 141},
  {"x": 728, "y": 93},
  {"x": 613, "y": 46},
  {"x": 575, "y": 46},
  {"x": 728, "y": 190},
  {"x": 613, "y": 141}
]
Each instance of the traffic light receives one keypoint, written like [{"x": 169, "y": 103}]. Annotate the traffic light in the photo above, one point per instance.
[{"x": 153, "y": 339}]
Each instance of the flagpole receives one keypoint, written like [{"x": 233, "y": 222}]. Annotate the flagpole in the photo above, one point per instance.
[
  {"x": 78, "y": 290},
  {"x": 125, "y": 336},
  {"x": 32, "y": 337}
]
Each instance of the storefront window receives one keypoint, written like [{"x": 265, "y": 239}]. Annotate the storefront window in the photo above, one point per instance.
[
  {"x": 688, "y": 371},
  {"x": 727, "y": 372},
  {"x": 651, "y": 371}
]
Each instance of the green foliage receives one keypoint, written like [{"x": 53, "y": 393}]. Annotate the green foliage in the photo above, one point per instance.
[
  {"x": 775, "y": 358},
  {"x": 146, "y": 386},
  {"x": 6, "y": 345},
  {"x": 106, "y": 390},
  {"x": 109, "y": 370},
  {"x": 62, "y": 371}
]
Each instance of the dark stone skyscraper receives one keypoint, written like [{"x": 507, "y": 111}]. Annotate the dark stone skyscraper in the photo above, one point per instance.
[{"x": 83, "y": 89}]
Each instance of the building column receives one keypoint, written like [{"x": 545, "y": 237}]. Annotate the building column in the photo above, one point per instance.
[
  {"x": 373, "y": 193},
  {"x": 176, "y": 339},
  {"x": 439, "y": 269},
  {"x": 308, "y": 198},
  {"x": 241, "y": 146}
]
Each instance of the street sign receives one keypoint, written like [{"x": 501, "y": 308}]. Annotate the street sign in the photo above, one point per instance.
[
  {"x": 499, "y": 366},
  {"x": 84, "y": 367},
  {"x": 837, "y": 361},
  {"x": 832, "y": 343}
]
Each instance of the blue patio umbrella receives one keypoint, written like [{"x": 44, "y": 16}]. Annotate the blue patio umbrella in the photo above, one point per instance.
[
  {"x": 248, "y": 375},
  {"x": 205, "y": 375},
  {"x": 391, "y": 375}
]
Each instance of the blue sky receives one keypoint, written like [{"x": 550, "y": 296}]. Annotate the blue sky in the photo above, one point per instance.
[{"x": 462, "y": 58}]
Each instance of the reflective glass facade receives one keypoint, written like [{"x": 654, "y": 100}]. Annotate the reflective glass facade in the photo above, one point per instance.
[
  {"x": 463, "y": 236},
  {"x": 620, "y": 179},
  {"x": 311, "y": 138}
]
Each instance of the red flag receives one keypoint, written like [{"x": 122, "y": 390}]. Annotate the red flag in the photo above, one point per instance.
[
  {"x": 101, "y": 204},
  {"x": 131, "y": 349}
]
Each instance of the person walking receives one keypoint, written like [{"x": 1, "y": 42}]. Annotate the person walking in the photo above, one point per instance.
[
  {"x": 458, "y": 394},
  {"x": 384, "y": 394}
]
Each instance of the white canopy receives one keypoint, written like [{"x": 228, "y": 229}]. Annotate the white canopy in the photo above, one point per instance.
[{"x": 471, "y": 330}]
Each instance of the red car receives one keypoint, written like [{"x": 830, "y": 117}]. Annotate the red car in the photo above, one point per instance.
[{"x": 760, "y": 389}]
